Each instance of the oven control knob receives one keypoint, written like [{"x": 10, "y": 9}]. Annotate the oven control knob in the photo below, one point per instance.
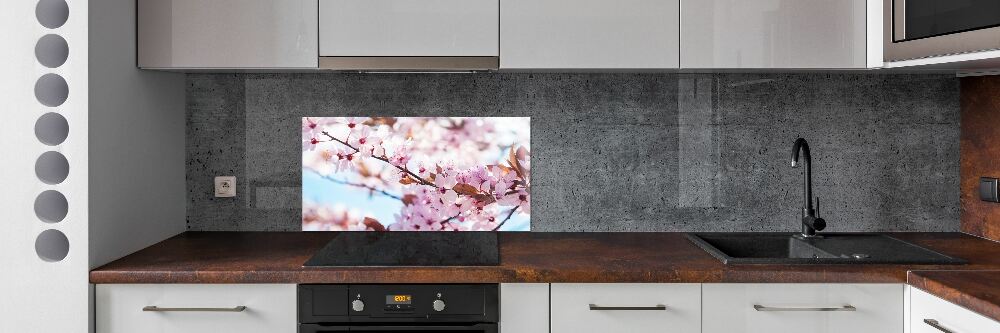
[
  {"x": 438, "y": 305},
  {"x": 358, "y": 305}
]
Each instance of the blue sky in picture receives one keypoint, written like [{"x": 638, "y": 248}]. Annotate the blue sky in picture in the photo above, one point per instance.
[{"x": 322, "y": 191}]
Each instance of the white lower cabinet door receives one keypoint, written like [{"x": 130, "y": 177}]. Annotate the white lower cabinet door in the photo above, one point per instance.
[
  {"x": 524, "y": 308},
  {"x": 626, "y": 307},
  {"x": 196, "y": 308},
  {"x": 930, "y": 314},
  {"x": 802, "y": 308}
]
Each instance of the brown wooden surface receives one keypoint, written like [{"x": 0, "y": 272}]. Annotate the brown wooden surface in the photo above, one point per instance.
[
  {"x": 978, "y": 291},
  {"x": 980, "y": 151},
  {"x": 277, "y": 257}
]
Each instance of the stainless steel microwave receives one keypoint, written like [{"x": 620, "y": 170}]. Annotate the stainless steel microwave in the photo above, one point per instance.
[{"x": 916, "y": 29}]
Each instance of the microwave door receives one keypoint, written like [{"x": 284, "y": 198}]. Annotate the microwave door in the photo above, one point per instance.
[
  {"x": 916, "y": 19},
  {"x": 916, "y": 29}
]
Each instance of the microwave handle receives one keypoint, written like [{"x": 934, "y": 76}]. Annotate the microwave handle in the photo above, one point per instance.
[{"x": 898, "y": 17}]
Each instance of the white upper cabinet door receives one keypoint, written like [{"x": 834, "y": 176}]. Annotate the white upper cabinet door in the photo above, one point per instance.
[
  {"x": 227, "y": 33},
  {"x": 626, "y": 307},
  {"x": 802, "y": 308},
  {"x": 774, "y": 34},
  {"x": 589, "y": 34},
  {"x": 409, "y": 28}
]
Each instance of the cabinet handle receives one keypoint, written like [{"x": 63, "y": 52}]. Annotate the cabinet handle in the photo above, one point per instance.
[
  {"x": 759, "y": 307},
  {"x": 935, "y": 324},
  {"x": 595, "y": 307},
  {"x": 154, "y": 308}
]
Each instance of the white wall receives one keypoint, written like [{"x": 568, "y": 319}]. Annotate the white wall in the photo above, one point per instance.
[
  {"x": 37, "y": 295},
  {"x": 137, "y": 187},
  {"x": 124, "y": 188}
]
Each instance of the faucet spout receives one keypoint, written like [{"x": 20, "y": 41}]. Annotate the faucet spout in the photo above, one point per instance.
[
  {"x": 810, "y": 222},
  {"x": 802, "y": 146}
]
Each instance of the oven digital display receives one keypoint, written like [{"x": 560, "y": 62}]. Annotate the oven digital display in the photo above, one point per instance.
[{"x": 398, "y": 299}]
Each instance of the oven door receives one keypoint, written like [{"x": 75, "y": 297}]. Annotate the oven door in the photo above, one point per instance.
[
  {"x": 916, "y": 29},
  {"x": 472, "y": 328}
]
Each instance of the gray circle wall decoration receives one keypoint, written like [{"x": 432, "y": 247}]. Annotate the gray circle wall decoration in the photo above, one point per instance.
[
  {"x": 51, "y": 206},
  {"x": 51, "y": 90},
  {"x": 51, "y": 51},
  {"x": 52, "y": 167},
  {"x": 52, "y": 245},
  {"x": 51, "y": 128},
  {"x": 52, "y": 13}
]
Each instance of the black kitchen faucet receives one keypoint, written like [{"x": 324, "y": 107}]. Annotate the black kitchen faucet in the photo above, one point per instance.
[{"x": 810, "y": 221}]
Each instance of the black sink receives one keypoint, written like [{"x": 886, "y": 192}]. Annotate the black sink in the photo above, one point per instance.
[{"x": 837, "y": 248}]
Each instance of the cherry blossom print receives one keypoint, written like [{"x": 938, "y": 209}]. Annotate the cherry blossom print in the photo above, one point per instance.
[{"x": 416, "y": 173}]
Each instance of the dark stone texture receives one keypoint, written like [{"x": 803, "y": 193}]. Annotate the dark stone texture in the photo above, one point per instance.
[{"x": 616, "y": 152}]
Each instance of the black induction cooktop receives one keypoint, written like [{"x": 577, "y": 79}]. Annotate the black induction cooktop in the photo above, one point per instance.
[{"x": 400, "y": 248}]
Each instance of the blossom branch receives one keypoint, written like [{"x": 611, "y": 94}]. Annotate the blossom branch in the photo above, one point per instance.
[
  {"x": 512, "y": 210},
  {"x": 384, "y": 159},
  {"x": 447, "y": 220},
  {"x": 368, "y": 187}
]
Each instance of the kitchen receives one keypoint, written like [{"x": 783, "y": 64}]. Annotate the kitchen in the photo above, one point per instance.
[{"x": 157, "y": 180}]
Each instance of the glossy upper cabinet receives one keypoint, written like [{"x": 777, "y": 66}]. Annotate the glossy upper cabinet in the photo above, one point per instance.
[
  {"x": 242, "y": 34},
  {"x": 408, "y": 28},
  {"x": 589, "y": 34},
  {"x": 776, "y": 34}
]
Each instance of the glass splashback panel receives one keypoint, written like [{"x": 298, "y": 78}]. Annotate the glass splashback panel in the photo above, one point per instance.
[{"x": 416, "y": 174}]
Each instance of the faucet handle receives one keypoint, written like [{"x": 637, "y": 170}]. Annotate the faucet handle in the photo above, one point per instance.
[{"x": 817, "y": 206}]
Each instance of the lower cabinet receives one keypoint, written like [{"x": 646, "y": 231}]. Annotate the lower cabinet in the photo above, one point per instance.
[
  {"x": 930, "y": 314},
  {"x": 625, "y": 307},
  {"x": 195, "y": 308},
  {"x": 524, "y": 308},
  {"x": 569, "y": 308},
  {"x": 804, "y": 308}
]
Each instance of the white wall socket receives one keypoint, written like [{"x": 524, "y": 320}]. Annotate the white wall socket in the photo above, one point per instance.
[{"x": 225, "y": 187}]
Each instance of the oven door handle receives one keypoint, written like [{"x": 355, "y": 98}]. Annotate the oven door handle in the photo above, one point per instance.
[
  {"x": 431, "y": 328},
  {"x": 402, "y": 327},
  {"x": 485, "y": 328}
]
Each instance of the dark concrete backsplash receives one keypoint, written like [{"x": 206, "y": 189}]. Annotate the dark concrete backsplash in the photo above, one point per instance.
[{"x": 616, "y": 152}]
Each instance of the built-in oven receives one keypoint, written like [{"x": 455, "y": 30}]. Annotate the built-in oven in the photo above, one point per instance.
[
  {"x": 916, "y": 29},
  {"x": 388, "y": 308}
]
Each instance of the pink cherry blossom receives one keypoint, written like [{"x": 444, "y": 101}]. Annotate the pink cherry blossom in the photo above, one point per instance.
[
  {"x": 344, "y": 160},
  {"x": 368, "y": 143},
  {"x": 444, "y": 188},
  {"x": 518, "y": 198},
  {"x": 421, "y": 161},
  {"x": 352, "y": 123},
  {"x": 310, "y": 143},
  {"x": 310, "y": 128}
]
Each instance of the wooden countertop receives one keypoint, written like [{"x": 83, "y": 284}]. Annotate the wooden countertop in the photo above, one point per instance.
[
  {"x": 978, "y": 291},
  {"x": 277, "y": 257}
]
